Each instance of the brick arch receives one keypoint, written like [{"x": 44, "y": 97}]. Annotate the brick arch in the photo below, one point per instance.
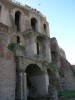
[
  {"x": 31, "y": 62},
  {"x": 31, "y": 67},
  {"x": 17, "y": 9}
]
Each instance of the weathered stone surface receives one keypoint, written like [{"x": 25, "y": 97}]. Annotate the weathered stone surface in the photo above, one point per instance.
[
  {"x": 24, "y": 70},
  {"x": 7, "y": 71}
]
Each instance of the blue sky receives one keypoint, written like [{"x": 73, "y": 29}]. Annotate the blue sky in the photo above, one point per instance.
[{"x": 61, "y": 17}]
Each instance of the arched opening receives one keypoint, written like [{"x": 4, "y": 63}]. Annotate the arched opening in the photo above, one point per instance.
[
  {"x": 45, "y": 28},
  {"x": 17, "y": 20},
  {"x": 34, "y": 24},
  {"x": 18, "y": 40},
  {"x": 35, "y": 81}
]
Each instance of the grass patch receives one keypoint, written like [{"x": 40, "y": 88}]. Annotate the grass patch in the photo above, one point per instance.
[{"x": 67, "y": 94}]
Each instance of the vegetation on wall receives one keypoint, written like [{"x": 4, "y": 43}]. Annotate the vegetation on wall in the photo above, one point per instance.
[
  {"x": 61, "y": 73},
  {"x": 54, "y": 78},
  {"x": 53, "y": 66},
  {"x": 13, "y": 47}
]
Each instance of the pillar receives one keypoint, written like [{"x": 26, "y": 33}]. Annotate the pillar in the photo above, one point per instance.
[{"x": 21, "y": 91}]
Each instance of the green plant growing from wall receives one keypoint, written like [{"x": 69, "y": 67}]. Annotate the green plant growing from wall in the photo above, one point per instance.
[{"x": 13, "y": 47}]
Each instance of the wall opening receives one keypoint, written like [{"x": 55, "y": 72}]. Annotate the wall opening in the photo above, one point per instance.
[
  {"x": 45, "y": 28},
  {"x": 38, "y": 49},
  {"x": 41, "y": 46},
  {"x": 34, "y": 83},
  {"x": 18, "y": 40},
  {"x": 17, "y": 20},
  {"x": 34, "y": 24}
]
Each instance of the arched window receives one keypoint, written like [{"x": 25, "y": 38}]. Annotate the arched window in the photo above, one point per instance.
[
  {"x": 34, "y": 23},
  {"x": 18, "y": 40},
  {"x": 45, "y": 28},
  {"x": 17, "y": 20}
]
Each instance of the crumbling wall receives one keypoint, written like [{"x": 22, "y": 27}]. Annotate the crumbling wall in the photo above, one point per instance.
[{"x": 68, "y": 75}]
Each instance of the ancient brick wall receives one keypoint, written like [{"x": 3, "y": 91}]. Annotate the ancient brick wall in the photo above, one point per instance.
[
  {"x": 7, "y": 70},
  {"x": 68, "y": 75}
]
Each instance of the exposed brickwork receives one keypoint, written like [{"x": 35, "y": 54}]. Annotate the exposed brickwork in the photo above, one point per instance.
[
  {"x": 9, "y": 55},
  {"x": 7, "y": 71},
  {"x": 1, "y": 53}
]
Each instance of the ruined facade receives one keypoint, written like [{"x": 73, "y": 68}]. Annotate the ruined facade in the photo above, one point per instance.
[{"x": 30, "y": 61}]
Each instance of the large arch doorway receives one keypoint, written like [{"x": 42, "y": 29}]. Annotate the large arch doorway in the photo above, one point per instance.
[{"x": 36, "y": 81}]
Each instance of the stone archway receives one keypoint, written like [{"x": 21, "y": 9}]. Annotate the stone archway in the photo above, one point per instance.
[{"x": 36, "y": 81}]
